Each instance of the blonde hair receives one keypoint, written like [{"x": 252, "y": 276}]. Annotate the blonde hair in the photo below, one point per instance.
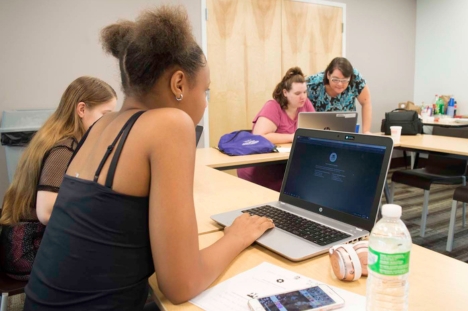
[{"x": 20, "y": 196}]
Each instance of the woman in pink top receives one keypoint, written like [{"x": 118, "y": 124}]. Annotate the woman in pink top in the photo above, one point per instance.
[{"x": 277, "y": 122}]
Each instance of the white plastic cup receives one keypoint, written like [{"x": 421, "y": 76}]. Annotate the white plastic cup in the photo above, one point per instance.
[
  {"x": 425, "y": 115},
  {"x": 396, "y": 133}
]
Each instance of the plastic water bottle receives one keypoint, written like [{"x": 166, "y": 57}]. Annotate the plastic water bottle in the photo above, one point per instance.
[
  {"x": 434, "y": 105},
  {"x": 389, "y": 254},
  {"x": 451, "y": 107},
  {"x": 440, "y": 106}
]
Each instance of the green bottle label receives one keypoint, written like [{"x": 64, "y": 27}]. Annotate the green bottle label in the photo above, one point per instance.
[{"x": 388, "y": 264}]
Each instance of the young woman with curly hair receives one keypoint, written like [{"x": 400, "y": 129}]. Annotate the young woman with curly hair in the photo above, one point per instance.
[{"x": 125, "y": 208}]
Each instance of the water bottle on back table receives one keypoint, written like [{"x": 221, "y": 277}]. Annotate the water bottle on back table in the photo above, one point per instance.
[
  {"x": 389, "y": 254},
  {"x": 451, "y": 107},
  {"x": 434, "y": 105},
  {"x": 440, "y": 106}
]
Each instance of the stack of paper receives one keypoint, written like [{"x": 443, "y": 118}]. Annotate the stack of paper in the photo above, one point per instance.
[{"x": 264, "y": 280}]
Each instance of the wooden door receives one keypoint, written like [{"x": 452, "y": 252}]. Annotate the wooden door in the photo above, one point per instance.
[
  {"x": 251, "y": 44},
  {"x": 244, "y": 53},
  {"x": 311, "y": 35}
]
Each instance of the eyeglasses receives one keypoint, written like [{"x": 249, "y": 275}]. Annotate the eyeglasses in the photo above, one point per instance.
[{"x": 336, "y": 80}]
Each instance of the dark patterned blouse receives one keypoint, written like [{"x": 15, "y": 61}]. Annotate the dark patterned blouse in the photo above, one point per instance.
[
  {"x": 19, "y": 243},
  {"x": 343, "y": 102}
]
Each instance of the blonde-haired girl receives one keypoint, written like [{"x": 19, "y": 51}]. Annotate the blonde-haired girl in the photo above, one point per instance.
[{"x": 28, "y": 202}]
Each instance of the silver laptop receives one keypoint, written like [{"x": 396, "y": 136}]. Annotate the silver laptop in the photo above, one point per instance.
[
  {"x": 343, "y": 121},
  {"x": 332, "y": 178}
]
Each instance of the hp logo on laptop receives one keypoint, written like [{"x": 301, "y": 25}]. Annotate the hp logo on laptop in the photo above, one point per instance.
[{"x": 320, "y": 210}]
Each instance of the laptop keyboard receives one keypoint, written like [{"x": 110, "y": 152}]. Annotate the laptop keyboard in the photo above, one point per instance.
[{"x": 304, "y": 228}]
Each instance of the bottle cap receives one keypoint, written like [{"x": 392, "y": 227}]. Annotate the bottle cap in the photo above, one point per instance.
[{"x": 391, "y": 210}]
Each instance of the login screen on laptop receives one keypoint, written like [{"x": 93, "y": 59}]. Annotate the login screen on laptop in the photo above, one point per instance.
[{"x": 338, "y": 175}]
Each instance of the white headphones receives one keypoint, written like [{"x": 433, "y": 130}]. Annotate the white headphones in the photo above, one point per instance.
[{"x": 349, "y": 261}]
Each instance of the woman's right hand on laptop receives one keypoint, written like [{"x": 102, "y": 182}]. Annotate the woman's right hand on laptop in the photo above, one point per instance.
[{"x": 248, "y": 228}]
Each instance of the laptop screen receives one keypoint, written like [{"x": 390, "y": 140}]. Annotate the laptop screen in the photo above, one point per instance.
[
  {"x": 344, "y": 121},
  {"x": 335, "y": 176}
]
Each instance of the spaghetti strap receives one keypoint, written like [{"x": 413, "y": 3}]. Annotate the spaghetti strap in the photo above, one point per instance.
[
  {"x": 118, "y": 151},
  {"x": 80, "y": 143},
  {"x": 127, "y": 124}
]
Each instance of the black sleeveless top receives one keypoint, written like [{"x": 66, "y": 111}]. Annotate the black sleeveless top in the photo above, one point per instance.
[{"x": 95, "y": 253}]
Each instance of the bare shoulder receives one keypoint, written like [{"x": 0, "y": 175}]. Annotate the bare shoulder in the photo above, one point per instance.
[
  {"x": 163, "y": 125},
  {"x": 166, "y": 119}
]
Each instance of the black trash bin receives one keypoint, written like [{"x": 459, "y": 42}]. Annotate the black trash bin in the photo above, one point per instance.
[{"x": 16, "y": 131}]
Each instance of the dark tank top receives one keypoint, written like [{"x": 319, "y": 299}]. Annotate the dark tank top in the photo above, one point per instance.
[{"x": 95, "y": 253}]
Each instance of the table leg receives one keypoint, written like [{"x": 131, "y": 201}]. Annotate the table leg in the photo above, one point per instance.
[
  {"x": 414, "y": 159},
  {"x": 386, "y": 192}
]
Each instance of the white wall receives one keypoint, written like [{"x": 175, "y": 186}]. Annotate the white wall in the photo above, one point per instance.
[
  {"x": 46, "y": 44},
  {"x": 380, "y": 43},
  {"x": 442, "y": 51}
]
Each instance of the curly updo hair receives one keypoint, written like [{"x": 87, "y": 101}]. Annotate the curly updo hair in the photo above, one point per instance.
[
  {"x": 293, "y": 75},
  {"x": 158, "y": 40}
]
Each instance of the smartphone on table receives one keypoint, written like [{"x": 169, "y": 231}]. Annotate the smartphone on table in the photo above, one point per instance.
[{"x": 320, "y": 297}]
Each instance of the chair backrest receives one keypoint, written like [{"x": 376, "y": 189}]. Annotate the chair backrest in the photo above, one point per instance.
[
  {"x": 11, "y": 286},
  {"x": 198, "y": 133},
  {"x": 446, "y": 165},
  {"x": 461, "y": 194},
  {"x": 460, "y": 132}
]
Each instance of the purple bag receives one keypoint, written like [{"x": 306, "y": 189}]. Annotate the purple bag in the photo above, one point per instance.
[{"x": 243, "y": 143}]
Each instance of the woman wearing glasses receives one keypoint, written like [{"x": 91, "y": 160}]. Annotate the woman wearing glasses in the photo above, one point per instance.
[{"x": 337, "y": 87}]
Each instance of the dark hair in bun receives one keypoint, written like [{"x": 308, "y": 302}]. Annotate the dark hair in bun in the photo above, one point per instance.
[{"x": 158, "y": 40}]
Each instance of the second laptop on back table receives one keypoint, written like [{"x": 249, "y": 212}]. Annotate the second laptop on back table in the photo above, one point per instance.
[{"x": 343, "y": 121}]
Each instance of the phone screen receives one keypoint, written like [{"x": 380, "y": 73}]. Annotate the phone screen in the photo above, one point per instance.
[{"x": 309, "y": 298}]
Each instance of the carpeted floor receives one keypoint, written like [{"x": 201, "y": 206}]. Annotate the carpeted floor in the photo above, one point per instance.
[{"x": 440, "y": 203}]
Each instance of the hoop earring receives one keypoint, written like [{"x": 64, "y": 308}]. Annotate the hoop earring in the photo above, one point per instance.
[{"x": 179, "y": 98}]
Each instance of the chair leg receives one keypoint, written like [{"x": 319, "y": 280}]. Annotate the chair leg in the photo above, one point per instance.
[
  {"x": 392, "y": 192},
  {"x": 451, "y": 231},
  {"x": 386, "y": 192},
  {"x": 412, "y": 159},
  {"x": 424, "y": 213},
  {"x": 464, "y": 215},
  {"x": 405, "y": 157},
  {"x": 4, "y": 304},
  {"x": 416, "y": 160},
  {"x": 464, "y": 206}
]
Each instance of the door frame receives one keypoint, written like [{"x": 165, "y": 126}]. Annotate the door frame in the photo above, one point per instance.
[
  {"x": 204, "y": 46},
  {"x": 204, "y": 43}
]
